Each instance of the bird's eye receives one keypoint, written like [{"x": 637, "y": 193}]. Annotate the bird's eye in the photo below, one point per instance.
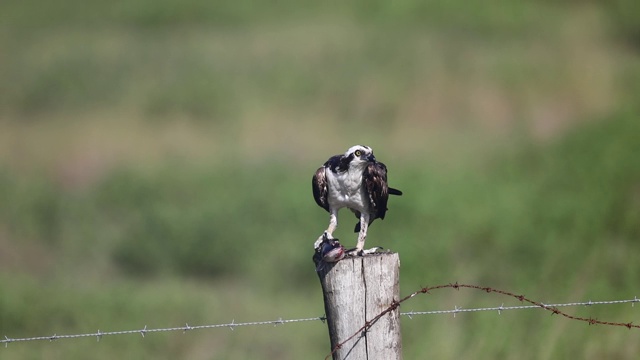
[{"x": 358, "y": 152}]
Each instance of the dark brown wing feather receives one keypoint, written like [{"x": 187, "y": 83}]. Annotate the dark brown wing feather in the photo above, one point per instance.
[
  {"x": 320, "y": 189},
  {"x": 375, "y": 181}
]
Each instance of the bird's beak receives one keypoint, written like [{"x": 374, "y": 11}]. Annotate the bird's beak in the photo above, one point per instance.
[{"x": 371, "y": 158}]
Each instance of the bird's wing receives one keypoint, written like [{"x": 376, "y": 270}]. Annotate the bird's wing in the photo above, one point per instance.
[
  {"x": 374, "y": 178},
  {"x": 320, "y": 188}
]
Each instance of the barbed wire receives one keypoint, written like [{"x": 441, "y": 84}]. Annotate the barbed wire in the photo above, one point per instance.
[
  {"x": 553, "y": 308},
  {"x": 98, "y": 335},
  {"x": 410, "y": 314},
  {"x": 502, "y": 308}
]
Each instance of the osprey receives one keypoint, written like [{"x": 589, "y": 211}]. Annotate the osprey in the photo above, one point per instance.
[{"x": 356, "y": 181}]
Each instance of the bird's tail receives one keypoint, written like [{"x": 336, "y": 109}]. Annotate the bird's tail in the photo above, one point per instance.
[{"x": 393, "y": 191}]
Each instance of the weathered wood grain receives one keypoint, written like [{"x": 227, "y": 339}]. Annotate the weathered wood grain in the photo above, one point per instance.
[{"x": 356, "y": 290}]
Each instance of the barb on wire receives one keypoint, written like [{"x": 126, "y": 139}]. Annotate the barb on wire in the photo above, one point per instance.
[{"x": 553, "y": 308}]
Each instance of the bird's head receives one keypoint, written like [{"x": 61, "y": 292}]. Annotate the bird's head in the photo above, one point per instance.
[{"x": 360, "y": 155}]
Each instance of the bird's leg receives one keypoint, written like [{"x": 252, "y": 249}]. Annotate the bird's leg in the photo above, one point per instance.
[
  {"x": 333, "y": 223},
  {"x": 362, "y": 235},
  {"x": 328, "y": 234}
]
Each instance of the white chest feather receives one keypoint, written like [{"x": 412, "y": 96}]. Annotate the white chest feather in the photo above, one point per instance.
[{"x": 346, "y": 190}]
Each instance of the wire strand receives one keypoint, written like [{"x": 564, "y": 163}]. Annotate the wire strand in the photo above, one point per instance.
[{"x": 410, "y": 314}]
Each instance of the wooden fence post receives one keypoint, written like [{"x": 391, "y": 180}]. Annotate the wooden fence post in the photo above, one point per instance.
[{"x": 356, "y": 290}]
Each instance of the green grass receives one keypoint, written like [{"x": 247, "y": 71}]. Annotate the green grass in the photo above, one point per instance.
[{"x": 155, "y": 163}]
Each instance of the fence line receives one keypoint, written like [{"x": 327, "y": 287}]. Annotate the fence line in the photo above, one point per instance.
[
  {"x": 410, "y": 314},
  {"x": 553, "y": 308},
  {"x": 98, "y": 335},
  {"x": 502, "y": 308}
]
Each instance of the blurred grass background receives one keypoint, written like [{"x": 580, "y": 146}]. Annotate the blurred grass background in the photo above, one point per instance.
[{"x": 155, "y": 160}]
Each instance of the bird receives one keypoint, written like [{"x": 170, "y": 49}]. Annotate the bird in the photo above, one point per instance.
[{"x": 353, "y": 180}]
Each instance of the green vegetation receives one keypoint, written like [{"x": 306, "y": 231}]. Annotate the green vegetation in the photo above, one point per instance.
[{"x": 155, "y": 165}]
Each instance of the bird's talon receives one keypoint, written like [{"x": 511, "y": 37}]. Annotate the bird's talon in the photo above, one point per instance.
[
  {"x": 372, "y": 250},
  {"x": 355, "y": 252}
]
